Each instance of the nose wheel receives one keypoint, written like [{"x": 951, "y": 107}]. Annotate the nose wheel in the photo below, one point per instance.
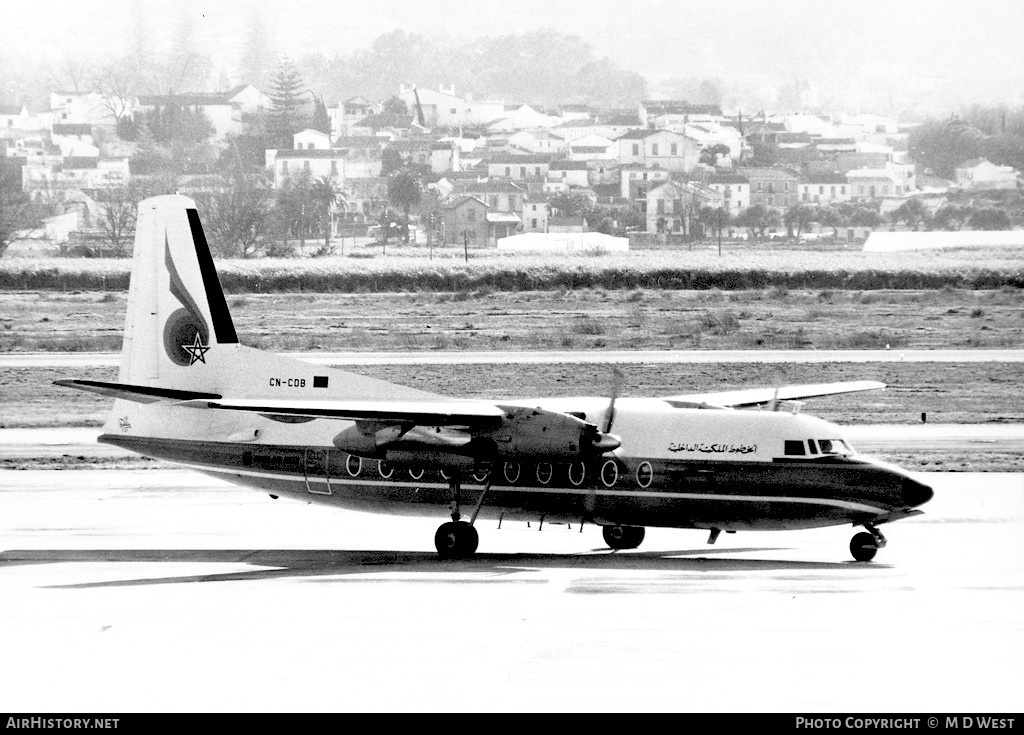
[{"x": 865, "y": 545}]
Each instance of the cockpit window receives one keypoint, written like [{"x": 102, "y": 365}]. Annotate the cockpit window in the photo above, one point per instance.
[
  {"x": 834, "y": 446},
  {"x": 813, "y": 446},
  {"x": 794, "y": 447}
]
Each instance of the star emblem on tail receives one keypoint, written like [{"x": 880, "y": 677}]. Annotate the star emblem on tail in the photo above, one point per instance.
[{"x": 196, "y": 351}]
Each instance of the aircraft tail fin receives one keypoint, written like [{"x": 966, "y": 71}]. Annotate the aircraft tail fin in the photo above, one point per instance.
[
  {"x": 177, "y": 319},
  {"x": 179, "y": 336}
]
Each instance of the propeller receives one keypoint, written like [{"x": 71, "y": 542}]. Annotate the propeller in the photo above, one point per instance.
[{"x": 606, "y": 440}]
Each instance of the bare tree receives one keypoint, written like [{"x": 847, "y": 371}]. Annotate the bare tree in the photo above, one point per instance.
[
  {"x": 115, "y": 83},
  {"x": 239, "y": 219},
  {"x": 73, "y": 74},
  {"x": 118, "y": 212}
]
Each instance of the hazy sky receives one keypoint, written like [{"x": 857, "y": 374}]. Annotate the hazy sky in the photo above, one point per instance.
[{"x": 977, "y": 46}]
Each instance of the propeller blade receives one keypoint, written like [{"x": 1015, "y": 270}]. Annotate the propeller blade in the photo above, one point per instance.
[{"x": 609, "y": 417}]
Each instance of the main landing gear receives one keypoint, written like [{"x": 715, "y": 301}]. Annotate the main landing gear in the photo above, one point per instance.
[
  {"x": 458, "y": 539},
  {"x": 864, "y": 546},
  {"x": 623, "y": 537}
]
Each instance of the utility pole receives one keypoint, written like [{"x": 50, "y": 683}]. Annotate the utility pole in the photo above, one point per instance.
[{"x": 465, "y": 244}]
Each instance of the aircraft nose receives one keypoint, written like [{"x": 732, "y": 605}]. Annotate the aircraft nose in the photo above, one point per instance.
[{"x": 915, "y": 493}]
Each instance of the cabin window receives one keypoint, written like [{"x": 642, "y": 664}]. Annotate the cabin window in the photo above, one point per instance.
[
  {"x": 609, "y": 473},
  {"x": 512, "y": 470},
  {"x": 795, "y": 448},
  {"x": 385, "y": 469},
  {"x": 577, "y": 473},
  {"x": 644, "y": 474},
  {"x": 416, "y": 473},
  {"x": 354, "y": 465},
  {"x": 544, "y": 473}
]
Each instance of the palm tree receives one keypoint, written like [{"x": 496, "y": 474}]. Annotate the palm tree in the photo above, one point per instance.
[{"x": 327, "y": 197}]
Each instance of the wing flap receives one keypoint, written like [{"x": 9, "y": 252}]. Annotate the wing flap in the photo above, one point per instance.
[{"x": 762, "y": 396}]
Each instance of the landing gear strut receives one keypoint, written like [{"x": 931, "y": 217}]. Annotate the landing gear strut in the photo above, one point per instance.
[
  {"x": 864, "y": 546},
  {"x": 458, "y": 539},
  {"x": 623, "y": 537}
]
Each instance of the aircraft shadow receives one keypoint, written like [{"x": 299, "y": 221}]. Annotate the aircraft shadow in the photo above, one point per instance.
[{"x": 357, "y": 565}]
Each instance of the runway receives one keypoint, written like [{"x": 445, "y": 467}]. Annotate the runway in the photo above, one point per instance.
[
  {"x": 163, "y": 590},
  {"x": 602, "y": 357}
]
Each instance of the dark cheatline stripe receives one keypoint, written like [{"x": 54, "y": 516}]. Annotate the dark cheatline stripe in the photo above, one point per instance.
[{"x": 223, "y": 327}]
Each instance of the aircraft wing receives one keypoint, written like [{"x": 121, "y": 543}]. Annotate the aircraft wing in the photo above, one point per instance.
[
  {"x": 762, "y": 396},
  {"x": 476, "y": 414},
  {"x": 136, "y": 393},
  {"x": 424, "y": 413}
]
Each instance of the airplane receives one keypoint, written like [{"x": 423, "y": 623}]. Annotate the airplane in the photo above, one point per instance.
[{"x": 190, "y": 393}]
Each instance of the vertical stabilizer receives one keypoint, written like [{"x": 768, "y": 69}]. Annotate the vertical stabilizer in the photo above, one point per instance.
[{"x": 177, "y": 323}]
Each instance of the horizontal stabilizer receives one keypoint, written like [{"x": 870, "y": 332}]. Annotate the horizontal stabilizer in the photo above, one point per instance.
[
  {"x": 424, "y": 413},
  {"x": 137, "y": 393},
  {"x": 763, "y": 396}
]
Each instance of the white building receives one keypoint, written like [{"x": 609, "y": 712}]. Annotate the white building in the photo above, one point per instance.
[
  {"x": 979, "y": 173},
  {"x": 442, "y": 108}
]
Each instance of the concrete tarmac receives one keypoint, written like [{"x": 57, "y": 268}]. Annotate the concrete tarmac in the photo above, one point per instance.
[{"x": 164, "y": 590}]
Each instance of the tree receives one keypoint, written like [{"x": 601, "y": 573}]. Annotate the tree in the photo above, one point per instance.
[
  {"x": 115, "y": 82},
  {"x": 710, "y": 154},
  {"x": 952, "y": 217},
  {"x": 404, "y": 192},
  {"x": 913, "y": 212},
  {"x": 321, "y": 119},
  {"x": 326, "y": 196},
  {"x": 17, "y": 211},
  {"x": 566, "y": 204},
  {"x": 239, "y": 219},
  {"x": 834, "y": 216},
  {"x": 990, "y": 218},
  {"x": 798, "y": 218},
  {"x": 395, "y": 105},
  {"x": 73, "y": 73},
  {"x": 16, "y": 214},
  {"x": 757, "y": 218},
  {"x": 257, "y": 55},
  {"x": 715, "y": 220},
  {"x": 287, "y": 90},
  {"x": 940, "y": 146},
  {"x": 294, "y": 208},
  {"x": 864, "y": 216},
  {"x": 117, "y": 218}
]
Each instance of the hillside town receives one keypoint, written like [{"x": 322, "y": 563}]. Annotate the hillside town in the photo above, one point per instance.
[{"x": 280, "y": 171}]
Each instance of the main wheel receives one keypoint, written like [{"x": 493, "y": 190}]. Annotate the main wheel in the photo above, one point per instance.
[
  {"x": 863, "y": 546},
  {"x": 456, "y": 540},
  {"x": 623, "y": 537}
]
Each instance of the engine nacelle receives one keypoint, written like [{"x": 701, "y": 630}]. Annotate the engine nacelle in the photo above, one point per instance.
[
  {"x": 525, "y": 434},
  {"x": 537, "y": 434}
]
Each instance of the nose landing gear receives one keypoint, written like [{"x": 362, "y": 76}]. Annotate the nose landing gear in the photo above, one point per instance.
[{"x": 864, "y": 546}]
